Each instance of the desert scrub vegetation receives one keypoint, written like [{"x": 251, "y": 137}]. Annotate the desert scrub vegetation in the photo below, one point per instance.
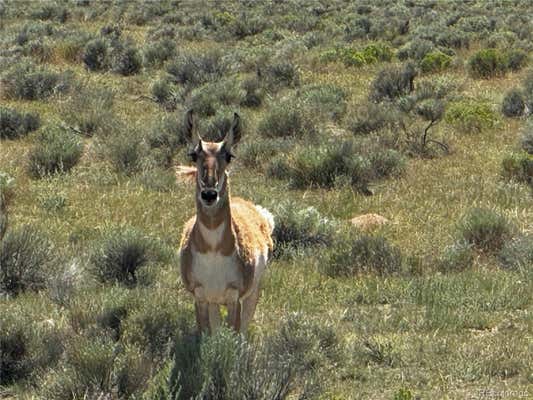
[
  {"x": 471, "y": 116},
  {"x": 370, "y": 54},
  {"x": 29, "y": 82},
  {"x": 488, "y": 63},
  {"x": 56, "y": 151},
  {"x": 352, "y": 254},
  {"x": 336, "y": 99},
  {"x": 14, "y": 124},
  {"x": 485, "y": 229},
  {"x": 297, "y": 229},
  {"x": 25, "y": 255},
  {"x": 330, "y": 164},
  {"x": 123, "y": 255},
  {"x": 89, "y": 111}
]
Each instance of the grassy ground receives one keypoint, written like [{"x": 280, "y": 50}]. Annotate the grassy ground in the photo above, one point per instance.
[{"x": 439, "y": 335}]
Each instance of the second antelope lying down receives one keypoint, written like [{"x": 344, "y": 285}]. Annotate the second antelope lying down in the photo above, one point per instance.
[{"x": 224, "y": 248}]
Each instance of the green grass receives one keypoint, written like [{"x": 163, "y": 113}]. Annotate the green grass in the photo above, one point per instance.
[{"x": 422, "y": 330}]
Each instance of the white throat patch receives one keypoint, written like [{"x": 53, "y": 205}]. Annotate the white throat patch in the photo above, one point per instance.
[{"x": 212, "y": 236}]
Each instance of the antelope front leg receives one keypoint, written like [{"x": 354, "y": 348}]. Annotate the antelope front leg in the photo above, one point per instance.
[
  {"x": 202, "y": 315},
  {"x": 234, "y": 315}
]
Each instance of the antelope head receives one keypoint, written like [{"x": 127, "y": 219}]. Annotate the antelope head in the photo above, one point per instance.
[{"x": 211, "y": 159}]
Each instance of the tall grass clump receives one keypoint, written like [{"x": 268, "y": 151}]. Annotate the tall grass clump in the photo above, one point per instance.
[
  {"x": 122, "y": 254},
  {"x": 158, "y": 52},
  {"x": 346, "y": 162},
  {"x": 485, "y": 229},
  {"x": 194, "y": 69},
  {"x": 26, "y": 348},
  {"x": 392, "y": 82},
  {"x": 14, "y": 124},
  {"x": 25, "y": 81},
  {"x": 371, "y": 117},
  {"x": 457, "y": 257},
  {"x": 350, "y": 255},
  {"x": 89, "y": 111},
  {"x": 124, "y": 149},
  {"x": 517, "y": 253},
  {"x": 56, "y": 151},
  {"x": 289, "y": 117},
  {"x": 25, "y": 255},
  {"x": 225, "y": 366},
  {"x": 513, "y": 104},
  {"x": 299, "y": 228}
]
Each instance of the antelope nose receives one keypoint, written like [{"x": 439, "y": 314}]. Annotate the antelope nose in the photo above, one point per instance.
[{"x": 209, "y": 195}]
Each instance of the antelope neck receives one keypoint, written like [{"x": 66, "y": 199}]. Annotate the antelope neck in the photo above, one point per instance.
[{"x": 213, "y": 231}]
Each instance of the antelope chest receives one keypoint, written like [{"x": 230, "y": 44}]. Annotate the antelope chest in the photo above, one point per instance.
[{"x": 217, "y": 277}]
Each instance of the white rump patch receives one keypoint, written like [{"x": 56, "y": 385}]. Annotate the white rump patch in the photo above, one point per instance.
[{"x": 266, "y": 215}]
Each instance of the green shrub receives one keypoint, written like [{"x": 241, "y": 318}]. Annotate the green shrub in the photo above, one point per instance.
[
  {"x": 286, "y": 118},
  {"x": 457, "y": 257},
  {"x": 253, "y": 93},
  {"x": 487, "y": 63},
  {"x": 165, "y": 137},
  {"x": 57, "y": 151},
  {"x": 253, "y": 154},
  {"x": 350, "y": 255},
  {"x": 95, "y": 55},
  {"x": 121, "y": 255},
  {"x": 340, "y": 162},
  {"x": 125, "y": 60},
  {"x": 282, "y": 73},
  {"x": 527, "y": 139},
  {"x": 308, "y": 344},
  {"x": 416, "y": 49},
  {"x": 485, "y": 229},
  {"x": 124, "y": 149},
  {"x": 51, "y": 11},
  {"x": 166, "y": 93},
  {"x": 225, "y": 366},
  {"x": 89, "y": 111},
  {"x": 156, "y": 324},
  {"x": 297, "y": 229},
  {"x": 517, "y": 253},
  {"x": 392, "y": 82},
  {"x": 27, "y": 82},
  {"x": 513, "y": 104},
  {"x": 86, "y": 372},
  {"x": 158, "y": 52},
  {"x": 435, "y": 62},
  {"x": 325, "y": 100},
  {"x": 15, "y": 362},
  {"x": 14, "y": 124},
  {"x": 370, "y": 54},
  {"x": 516, "y": 59},
  {"x": 25, "y": 255},
  {"x": 207, "y": 99},
  {"x": 372, "y": 117},
  {"x": 470, "y": 115},
  {"x": 518, "y": 167},
  {"x": 191, "y": 69}
]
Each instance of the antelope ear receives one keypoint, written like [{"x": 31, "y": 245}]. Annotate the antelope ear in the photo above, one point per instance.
[
  {"x": 185, "y": 173},
  {"x": 234, "y": 135},
  {"x": 189, "y": 130}
]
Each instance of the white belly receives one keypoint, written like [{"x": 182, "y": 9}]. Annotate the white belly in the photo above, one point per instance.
[{"x": 215, "y": 273}]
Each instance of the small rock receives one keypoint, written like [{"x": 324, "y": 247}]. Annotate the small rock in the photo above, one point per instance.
[{"x": 367, "y": 222}]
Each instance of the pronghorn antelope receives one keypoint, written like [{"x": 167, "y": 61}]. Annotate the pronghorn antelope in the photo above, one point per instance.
[{"x": 224, "y": 248}]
